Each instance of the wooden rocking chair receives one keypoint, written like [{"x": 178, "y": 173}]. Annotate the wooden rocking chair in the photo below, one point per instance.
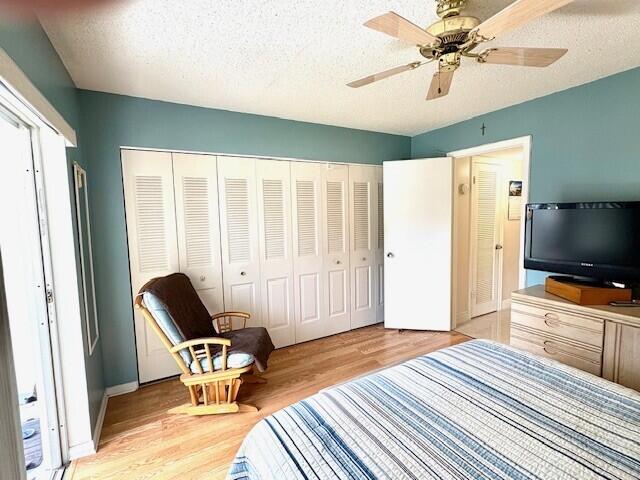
[{"x": 212, "y": 383}]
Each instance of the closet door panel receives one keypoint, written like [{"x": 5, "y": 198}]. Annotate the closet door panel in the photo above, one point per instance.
[
  {"x": 336, "y": 248},
  {"x": 239, "y": 236},
  {"x": 379, "y": 247},
  {"x": 363, "y": 234},
  {"x": 197, "y": 221},
  {"x": 276, "y": 262},
  {"x": 153, "y": 248},
  {"x": 308, "y": 258}
]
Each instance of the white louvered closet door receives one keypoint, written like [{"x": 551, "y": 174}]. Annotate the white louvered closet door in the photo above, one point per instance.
[
  {"x": 198, "y": 228},
  {"x": 276, "y": 262},
  {"x": 239, "y": 236},
  {"x": 153, "y": 249},
  {"x": 308, "y": 258},
  {"x": 337, "y": 299},
  {"x": 485, "y": 237},
  {"x": 379, "y": 245},
  {"x": 362, "y": 184}
]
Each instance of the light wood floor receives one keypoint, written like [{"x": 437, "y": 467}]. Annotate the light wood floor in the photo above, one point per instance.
[
  {"x": 492, "y": 326},
  {"x": 140, "y": 440}
]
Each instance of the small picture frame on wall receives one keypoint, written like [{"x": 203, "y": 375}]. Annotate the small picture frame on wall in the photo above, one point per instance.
[{"x": 515, "y": 199}]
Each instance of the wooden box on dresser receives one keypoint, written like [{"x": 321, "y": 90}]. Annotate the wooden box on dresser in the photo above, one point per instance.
[{"x": 602, "y": 340}]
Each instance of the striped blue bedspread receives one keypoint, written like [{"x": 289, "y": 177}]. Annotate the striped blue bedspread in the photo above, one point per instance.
[{"x": 476, "y": 410}]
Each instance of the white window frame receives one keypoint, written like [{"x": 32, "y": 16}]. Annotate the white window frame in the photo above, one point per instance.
[{"x": 50, "y": 136}]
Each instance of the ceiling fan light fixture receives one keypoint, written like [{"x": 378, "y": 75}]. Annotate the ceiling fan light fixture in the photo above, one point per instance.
[
  {"x": 448, "y": 8},
  {"x": 455, "y": 36}
]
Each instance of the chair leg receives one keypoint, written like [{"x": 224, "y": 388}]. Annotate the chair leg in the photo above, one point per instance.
[
  {"x": 243, "y": 407},
  {"x": 193, "y": 393},
  {"x": 217, "y": 397}
]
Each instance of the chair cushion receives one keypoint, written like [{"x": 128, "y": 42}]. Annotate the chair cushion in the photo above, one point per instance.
[
  {"x": 166, "y": 323},
  {"x": 181, "y": 301},
  {"x": 234, "y": 360}
]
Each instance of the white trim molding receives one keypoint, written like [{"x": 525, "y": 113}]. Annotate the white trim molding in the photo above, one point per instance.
[
  {"x": 83, "y": 224},
  {"x": 20, "y": 85},
  {"x": 525, "y": 143},
  {"x": 121, "y": 389}
]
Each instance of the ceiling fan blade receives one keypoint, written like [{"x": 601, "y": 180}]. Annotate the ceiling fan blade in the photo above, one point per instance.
[
  {"x": 440, "y": 84},
  {"x": 393, "y": 24},
  {"x": 525, "y": 57},
  {"x": 382, "y": 75},
  {"x": 515, "y": 15}
]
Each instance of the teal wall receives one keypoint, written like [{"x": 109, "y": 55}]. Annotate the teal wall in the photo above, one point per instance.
[
  {"x": 585, "y": 147},
  {"x": 586, "y": 141},
  {"x": 111, "y": 121},
  {"x": 30, "y": 48}
]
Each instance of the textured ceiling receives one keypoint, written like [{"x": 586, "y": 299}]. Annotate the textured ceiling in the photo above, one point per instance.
[{"x": 292, "y": 58}]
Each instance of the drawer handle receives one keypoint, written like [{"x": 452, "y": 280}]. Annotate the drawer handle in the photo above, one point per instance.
[
  {"x": 549, "y": 348},
  {"x": 552, "y": 323},
  {"x": 552, "y": 316}
]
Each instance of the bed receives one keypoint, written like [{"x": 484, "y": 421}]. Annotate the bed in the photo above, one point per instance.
[{"x": 476, "y": 410}]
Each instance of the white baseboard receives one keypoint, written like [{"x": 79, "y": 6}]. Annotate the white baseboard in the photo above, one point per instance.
[
  {"x": 98, "y": 430},
  {"x": 90, "y": 448},
  {"x": 121, "y": 389},
  {"x": 82, "y": 450}
]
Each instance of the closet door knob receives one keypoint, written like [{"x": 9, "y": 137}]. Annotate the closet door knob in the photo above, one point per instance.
[
  {"x": 243, "y": 273},
  {"x": 390, "y": 255},
  {"x": 364, "y": 259},
  {"x": 338, "y": 262}
]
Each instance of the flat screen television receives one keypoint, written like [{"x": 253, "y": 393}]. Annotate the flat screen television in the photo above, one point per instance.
[{"x": 598, "y": 241}]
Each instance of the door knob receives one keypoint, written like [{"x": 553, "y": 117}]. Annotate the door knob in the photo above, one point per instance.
[
  {"x": 243, "y": 273},
  {"x": 498, "y": 247},
  {"x": 338, "y": 262},
  {"x": 390, "y": 255},
  {"x": 364, "y": 259},
  {"x": 202, "y": 278}
]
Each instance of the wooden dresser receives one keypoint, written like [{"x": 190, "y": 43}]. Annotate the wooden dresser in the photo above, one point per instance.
[{"x": 602, "y": 340}]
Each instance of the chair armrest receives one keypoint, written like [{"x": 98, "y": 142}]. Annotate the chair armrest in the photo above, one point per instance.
[
  {"x": 201, "y": 341},
  {"x": 223, "y": 322},
  {"x": 205, "y": 352}
]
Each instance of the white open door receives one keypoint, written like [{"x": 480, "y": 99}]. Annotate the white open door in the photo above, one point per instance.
[
  {"x": 417, "y": 237},
  {"x": 485, "y": 237}
]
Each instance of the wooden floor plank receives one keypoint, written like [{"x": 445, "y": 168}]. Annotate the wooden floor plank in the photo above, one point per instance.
[{"x": 140, "y": 440}]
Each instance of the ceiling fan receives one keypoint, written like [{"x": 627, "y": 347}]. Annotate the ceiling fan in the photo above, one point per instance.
[{"x": 455, "y": 36}]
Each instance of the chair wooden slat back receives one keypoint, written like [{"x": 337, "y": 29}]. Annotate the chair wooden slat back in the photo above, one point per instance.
[{"x": 223, "y": 322}]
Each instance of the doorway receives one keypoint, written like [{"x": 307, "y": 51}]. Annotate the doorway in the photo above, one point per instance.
[
  {"x": 21, "y": 249},
  {"x": 490, "y": 192}
]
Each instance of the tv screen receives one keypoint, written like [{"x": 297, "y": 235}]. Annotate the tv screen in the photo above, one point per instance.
[{"x": 596, "y": 240}]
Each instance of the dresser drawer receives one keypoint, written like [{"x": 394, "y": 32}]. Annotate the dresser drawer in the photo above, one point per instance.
[
  {"x": 587, "y": 359},
  {"x": 559, "y": 324}
]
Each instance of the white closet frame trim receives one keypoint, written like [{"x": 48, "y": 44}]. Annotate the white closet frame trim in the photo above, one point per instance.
[
  {"x": 249, "y": 155},
  {"x": 525, "y": 143}
]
